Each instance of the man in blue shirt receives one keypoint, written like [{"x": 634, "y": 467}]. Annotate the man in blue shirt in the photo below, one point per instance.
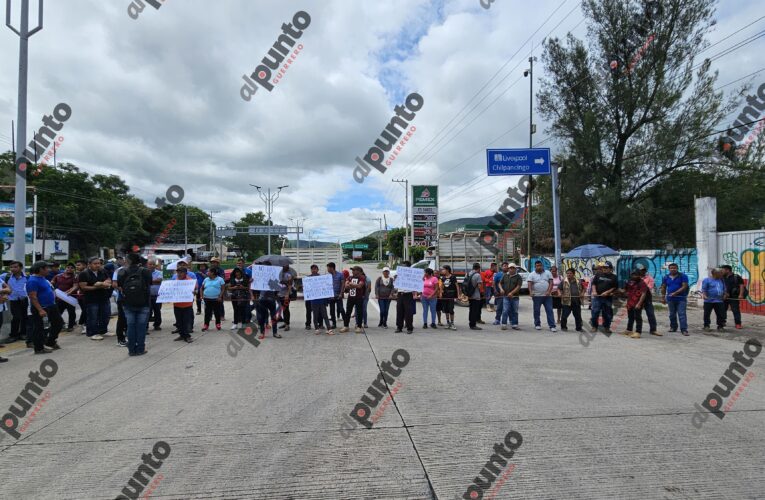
[
  {"x": 498, "y": 299},
  {"x": 19, "y": 302},
  {"x": 44, "y": 309},
  {"x": 714, "y": 293},
  {"x": 674, "y": 293}
]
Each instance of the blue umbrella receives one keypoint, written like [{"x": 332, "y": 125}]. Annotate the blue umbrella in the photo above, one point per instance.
[{"x": 590, "y": 251}]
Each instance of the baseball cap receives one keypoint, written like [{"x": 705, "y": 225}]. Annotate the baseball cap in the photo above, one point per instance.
[
  {"x": 215, "y": 259},
  {"x": 511, "y": 265},
  {"x": 386, "y": 268}
]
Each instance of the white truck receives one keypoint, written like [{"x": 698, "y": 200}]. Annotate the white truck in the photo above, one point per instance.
[{"x": 303, "y": 258}]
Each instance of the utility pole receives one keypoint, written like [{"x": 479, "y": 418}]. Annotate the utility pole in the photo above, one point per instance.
[
  {"x": 530, "y": 74},
  {"x": 298, "y": 220},
  {"x": 269, "y": 201},
  {"x": 45, "y": 225},
  {"x": 379, "y": 238},
  {"x": 185, "y": 230},
  {"x": 406, "y": 211},
  {"x": 19, "y": 220}
]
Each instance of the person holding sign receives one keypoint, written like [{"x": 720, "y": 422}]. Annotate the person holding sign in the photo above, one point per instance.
[
  {"x": 184, "y": 312},
  {"x": 239, "y": 287},
  {"x": 356, "y": 286},
  {"x": 404, "y": 306},
  {"x": 319, "y": 309},
  {"x": 266, "y": 304}
]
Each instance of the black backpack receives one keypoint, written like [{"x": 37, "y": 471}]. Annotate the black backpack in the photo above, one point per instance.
[
  {"x": 467, "y": 285},
  {"x": 134, "y": 289}
]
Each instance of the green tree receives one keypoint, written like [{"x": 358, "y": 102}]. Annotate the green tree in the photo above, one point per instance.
[
  {"x": 631, "y": 108},
  {"x": 395, "y": 242},
  {"x": 254, "y": 246}
]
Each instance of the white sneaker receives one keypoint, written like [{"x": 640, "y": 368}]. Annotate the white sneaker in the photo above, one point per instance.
[
  {"x": 109, "y": 334},
  {"x": 537, "y": 327},
  {"x": 96, "y": 337},
  {"x": 553, "y": 329},
  {"x": 234, "y": 326}
]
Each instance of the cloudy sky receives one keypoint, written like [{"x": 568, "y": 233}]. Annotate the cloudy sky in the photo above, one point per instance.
[{"x": 156, "y": 100}]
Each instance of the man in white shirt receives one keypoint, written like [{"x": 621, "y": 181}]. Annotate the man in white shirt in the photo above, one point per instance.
[{"x": 540, "y": 288}]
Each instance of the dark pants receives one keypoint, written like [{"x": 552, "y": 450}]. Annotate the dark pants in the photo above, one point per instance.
[
  {"x": 384, "y": 309},
  {"x": 474, "y": 313},
  {"x": 336, "y": 304},
  {"x": 719, "y": 309},
  {"x": 734, "y": 306},
  {"x": 405, "y": 311},
  {"x": 285, "y": 310},
  {"x": 155, "y": 312},
  {"x": 358, "y": 306},
  {"x": 650, "y": 314},
  {"x": 98, "y": 317},
  {"x": 241, "y": 308},
  {"x": 602, "y": 305},
  {"x": 19, "y": 320},
  {"x": 69, "y": 308},
  {"x": 121, "y": 322},
  {"x": 319, "y": 311},
  {"x": 184, "y": 318},
  {"x": 83, "y": 313},
  {"x": 39, "y": 336},
  {"x": 222, "y": 311},
  {"x": 199, "y": 301},
  {"x": 635, "y": 315},
  {"x": 268, "y": 310},
  {"x": 576, "y": 308},
  {"x": 212, "y": 306},
  {"x": 308, "y": 314}
]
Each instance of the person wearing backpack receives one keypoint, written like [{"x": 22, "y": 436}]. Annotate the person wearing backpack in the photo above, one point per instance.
[
  {"x": 472, "y": 287},
  {"x": 734, "y": 285},
  {"x": 134, "y": 284}
]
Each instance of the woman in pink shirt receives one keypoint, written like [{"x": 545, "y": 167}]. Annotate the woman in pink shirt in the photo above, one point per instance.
[{"x": 429, "y": 298}]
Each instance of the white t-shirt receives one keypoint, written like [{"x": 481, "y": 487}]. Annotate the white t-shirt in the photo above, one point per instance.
[{"x": 540, "y": 282}]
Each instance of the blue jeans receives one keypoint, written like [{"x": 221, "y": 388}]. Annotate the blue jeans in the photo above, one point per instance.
[
  {"x": 384, "y": 308},
  {"x": 538, "y": 303},
  {"x": 428, "y": 304},
  {"x": 650, "y": 314},
  {"x": 604, "y": 305},
  {"x": 499, "y": 304},
  {"x": 137, "y": 321},
  {"x": 366, "y": 302},
  {"x": 510, "y": 307},
  {"x": 98, "y": 317},
  {"x": 677, "y": 308},
  {"x": 489, "y": 291}
]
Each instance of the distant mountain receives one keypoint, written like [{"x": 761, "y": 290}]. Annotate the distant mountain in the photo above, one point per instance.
[{"x": 313, "y": 244}]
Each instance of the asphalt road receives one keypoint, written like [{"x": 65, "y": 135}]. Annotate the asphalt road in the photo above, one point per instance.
[{"x": 612, "y": 420}]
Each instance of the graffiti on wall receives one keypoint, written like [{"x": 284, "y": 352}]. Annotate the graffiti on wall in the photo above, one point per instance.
[
  {"x": 753, "y": 262},
  {"x": 656, "y": 264}
]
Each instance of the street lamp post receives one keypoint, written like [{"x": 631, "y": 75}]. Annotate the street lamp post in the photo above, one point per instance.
[
  {"x": 19, "y": 219},
  {"x": 269, "y": 200},
  {"x": 406, "y": 211}
]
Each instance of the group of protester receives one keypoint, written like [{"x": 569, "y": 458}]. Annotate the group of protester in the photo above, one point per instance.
[{"x": 48, "y": 292}]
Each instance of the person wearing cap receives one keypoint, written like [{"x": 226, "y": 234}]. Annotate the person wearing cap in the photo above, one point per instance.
[
  {"x": 499, "y": 300},
  {"x": 571, "y": 292},
  {"x": 604, "y": 285},
  {"x": 510, "y": 289},
  {"x": 674, "y": 293},
  {"x": 384, "y": 292},
  {"x": 44, "y": 309},
  {"x": 636, "y": 291},
  {"x": 648, "y": 303}
]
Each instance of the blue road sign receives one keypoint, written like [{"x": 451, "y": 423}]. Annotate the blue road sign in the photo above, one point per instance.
[{"x": 534, "y": 161}]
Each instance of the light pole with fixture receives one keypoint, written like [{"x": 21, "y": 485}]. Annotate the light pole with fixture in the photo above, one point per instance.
[{"x": 269, "y": 200}]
